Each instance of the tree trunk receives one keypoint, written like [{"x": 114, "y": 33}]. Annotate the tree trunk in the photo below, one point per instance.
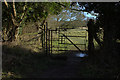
[
  {"x": 13, "y": 34},
  {"x": 108, "y": 43}
]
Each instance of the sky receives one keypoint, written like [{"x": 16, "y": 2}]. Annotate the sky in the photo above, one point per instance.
[
  {"x": 86, "y": 14},
  {"x": 89, "y": 16}
]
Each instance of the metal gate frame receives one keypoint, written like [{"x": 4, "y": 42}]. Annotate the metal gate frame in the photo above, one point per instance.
[{"x": 47, "y": 39}]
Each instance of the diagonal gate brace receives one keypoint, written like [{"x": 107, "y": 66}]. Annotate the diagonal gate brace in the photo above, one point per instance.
[{"x": 72, "y": 43}]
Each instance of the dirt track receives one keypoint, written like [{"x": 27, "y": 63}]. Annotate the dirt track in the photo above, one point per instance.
[{"x": 70, "y": 69}]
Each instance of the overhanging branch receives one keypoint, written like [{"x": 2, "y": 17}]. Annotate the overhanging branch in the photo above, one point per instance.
[
  {"x": 74, "y": 9},
  {"x": 68, "y": 7}
]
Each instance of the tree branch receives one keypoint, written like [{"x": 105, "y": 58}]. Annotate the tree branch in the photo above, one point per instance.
[
  {"x": 6, "y": 3},
  {"x": 68, "y": 7},
  {"x": 74, "y": 9},
  {"x": 22, "y": 17},
  {"x": 14, "y": 8},
  {"x": 23, "y": 14},
  {"x": 13, "y": 19}
]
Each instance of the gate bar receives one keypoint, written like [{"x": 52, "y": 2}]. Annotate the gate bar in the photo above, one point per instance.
[{"x": 72, "y": 43}]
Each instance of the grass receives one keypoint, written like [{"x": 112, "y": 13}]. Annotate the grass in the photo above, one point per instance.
[
  {"x": 19, "y": 62},
  {"x": 118, "y": 41},
  {"x": 75, "y": 40}
]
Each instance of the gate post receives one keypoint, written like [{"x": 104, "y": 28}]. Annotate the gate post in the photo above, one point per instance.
[
  {"x": 51, "y": 41},
  {"x": 43, "y": 38},
  {"x": 90, "y": 36},
  {"x": 48, "y": 41},
  {"x": 46, "y": 51}
]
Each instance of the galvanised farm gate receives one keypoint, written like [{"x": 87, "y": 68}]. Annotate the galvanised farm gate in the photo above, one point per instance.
[{"x": 63, "y": 39}]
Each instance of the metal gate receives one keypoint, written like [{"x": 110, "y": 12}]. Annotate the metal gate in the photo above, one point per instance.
[{"x": 63, "y": 39}]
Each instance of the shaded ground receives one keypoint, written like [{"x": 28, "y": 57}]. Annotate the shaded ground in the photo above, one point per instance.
[
  {"x": 19, "y": 62},
  {"x": 70, "y": 69}
]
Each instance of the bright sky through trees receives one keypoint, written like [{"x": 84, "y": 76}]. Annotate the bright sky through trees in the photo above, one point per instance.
[
  {"x": 90, "y": 16},
  {"x": 71, "y": 15},
  {"x": 86, "y": 14}
]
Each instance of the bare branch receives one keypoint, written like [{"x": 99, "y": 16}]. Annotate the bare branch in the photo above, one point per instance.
[
  {"x": 13, "y": 19},
  {"x": 14, "y": 8},
  {"x": 23, "y": 14},
  {"x": 6, "y": 3}
]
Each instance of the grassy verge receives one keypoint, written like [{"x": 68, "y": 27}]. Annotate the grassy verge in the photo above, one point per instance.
[{"x": 22, "y": 63}]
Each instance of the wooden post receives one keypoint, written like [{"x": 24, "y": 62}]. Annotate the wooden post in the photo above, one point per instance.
[
  {"x": 46, "y": 39},
  {"x": 42, "y": 38},
  {"x": 85, "y": 39},
  {"x": 90, "y": 36},
  {"x": 51, "y": 41},
  {"x": 58, "y": 39}
]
